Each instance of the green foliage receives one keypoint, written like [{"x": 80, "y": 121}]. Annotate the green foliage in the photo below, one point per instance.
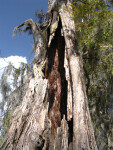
[
  {"x": 16, "y": 73},
  {"x": 94, "y": 34},
  {"x": 5, "y": 121},
  {"x": 94, "y": 29}
]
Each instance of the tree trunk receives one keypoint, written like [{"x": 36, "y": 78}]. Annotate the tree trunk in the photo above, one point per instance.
[{"x": 54, "y": 113}]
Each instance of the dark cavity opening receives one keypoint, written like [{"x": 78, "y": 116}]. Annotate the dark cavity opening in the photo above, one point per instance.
[
  {"x": 57, "y": 84},
  {"x": 70, "y": 125}
]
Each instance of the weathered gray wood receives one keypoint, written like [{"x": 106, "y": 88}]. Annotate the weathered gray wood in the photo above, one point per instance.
[
  {"x": 69, "y": 88},
  {"x": 83, "y": 134},
  {"x": 26, "y": 125}
]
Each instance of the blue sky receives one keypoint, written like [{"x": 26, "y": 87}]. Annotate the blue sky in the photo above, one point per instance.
[{"x": 13, "y": 13}]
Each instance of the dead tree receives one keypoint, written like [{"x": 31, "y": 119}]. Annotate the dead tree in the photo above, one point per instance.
[{"x": 54, "y": 113}]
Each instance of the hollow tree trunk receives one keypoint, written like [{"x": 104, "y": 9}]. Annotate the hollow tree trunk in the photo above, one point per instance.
[{"x": 54, "y": 113}]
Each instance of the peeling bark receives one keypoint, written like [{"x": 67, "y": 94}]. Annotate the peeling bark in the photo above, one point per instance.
[
  {"x": 54, "y": 113},
  {"x": 69, "y": 89}
]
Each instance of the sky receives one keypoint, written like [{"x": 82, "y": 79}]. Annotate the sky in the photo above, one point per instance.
[{"x": 13, "y": 13}]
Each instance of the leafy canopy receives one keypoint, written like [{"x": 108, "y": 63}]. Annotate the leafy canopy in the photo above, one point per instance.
[
  {"x": 94, "y": 29},
  {"x": 94, "y": 34}
]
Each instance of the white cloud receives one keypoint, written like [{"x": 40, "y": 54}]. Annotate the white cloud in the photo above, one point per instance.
[{"x": 15, "y": 60}]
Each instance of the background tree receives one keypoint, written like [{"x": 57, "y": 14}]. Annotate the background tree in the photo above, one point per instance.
[{"x": 12, "y": 89}]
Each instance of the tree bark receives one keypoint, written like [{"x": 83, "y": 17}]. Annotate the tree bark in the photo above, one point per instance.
[
  {"x": 83, "y": 134},
  {"x": 54, "y": 113}
]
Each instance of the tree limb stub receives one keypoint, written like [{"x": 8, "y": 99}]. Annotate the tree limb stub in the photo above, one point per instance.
[{"x": 29, "y": 22}]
